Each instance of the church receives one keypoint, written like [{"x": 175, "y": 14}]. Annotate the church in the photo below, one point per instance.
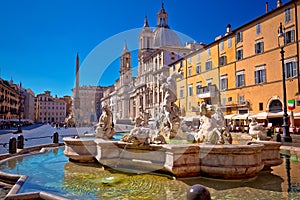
[{"x": 158, "y": 48}]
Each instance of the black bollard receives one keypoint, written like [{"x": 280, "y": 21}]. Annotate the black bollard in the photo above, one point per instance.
[
  {"x": 278, "y": 137},
  {"x": 198, "y": 192},
  {"x": 20, "y": 142},
  {"x": 19, "y": 128},
  {"x": 55, "y": 137},
  {"x": 12, "y": 145}
]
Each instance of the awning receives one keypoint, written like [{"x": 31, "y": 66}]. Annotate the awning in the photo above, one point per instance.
[
  {"x": 262, "y": 115},
  {"x": 241, "y": 116},
  {"x": 238, "y": 116},
  {"x": 296, "y": 115},
  {"x": 275, "y": 115},
  {"x": 229, "y": 116}
]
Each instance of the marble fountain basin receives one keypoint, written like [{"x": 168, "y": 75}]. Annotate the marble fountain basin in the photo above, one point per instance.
[{"x": 180, "y": 160}]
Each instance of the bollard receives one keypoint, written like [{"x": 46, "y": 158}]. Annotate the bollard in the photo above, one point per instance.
[
  {"x": 12, "y": 145},
  {"x": 55, "y": 137},
  {"x": 278, "y": 137},
  {"x": 19, "y": 128},
  {"x": 20, "y": 142}
]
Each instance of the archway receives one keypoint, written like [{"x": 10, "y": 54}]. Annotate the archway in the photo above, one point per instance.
[{"x": 275, "y": 106}]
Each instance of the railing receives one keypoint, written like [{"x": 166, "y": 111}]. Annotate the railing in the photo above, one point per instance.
[
  {"x": 18, "y": 143},
  {"x": 245, "y": 103},
  {"x": 207, "y": 91}
]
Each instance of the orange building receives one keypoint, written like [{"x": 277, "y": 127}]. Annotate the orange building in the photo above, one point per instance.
[{"x": 241, "y": 72}]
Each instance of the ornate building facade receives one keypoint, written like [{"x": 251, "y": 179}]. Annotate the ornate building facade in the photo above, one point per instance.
[{"x": 158, "y": 47}]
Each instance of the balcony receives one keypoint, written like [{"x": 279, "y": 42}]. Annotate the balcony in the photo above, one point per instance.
[
  {"x": 239, "y": 104},
  {"x": 207, "y": 91}
]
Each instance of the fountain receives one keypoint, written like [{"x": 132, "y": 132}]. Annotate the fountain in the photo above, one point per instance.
[{"x": 149, "y": 148}]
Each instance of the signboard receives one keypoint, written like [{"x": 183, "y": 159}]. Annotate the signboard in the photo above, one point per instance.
[{"x": 291, "y": 104}]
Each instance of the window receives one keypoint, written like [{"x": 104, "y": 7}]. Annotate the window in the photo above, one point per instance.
[
  {"x": 223, "y": 83},
  {"x": 223, "y": 101},
  {"x": 239, "y": 37},
  {"x": 190, "y": 90},
  {"x": 229, "y": 42},
  {"x": 240, "y": 79},
  {"x": 229, "y": 99},
  {"x": 221, "y": 45},
  {"x": 239, "y": 54},
  {"x": 258, "y": 28},
  {"x": 198, "y": 57},
  {"x": 189, "y": 60},
  {"x": 208, "y": 52},
  {"x": 198, "y": 87},
  {"x": 243, "y": 111},
  {"x": 190, "y": 71},
  {"x": 287, "y": 15},
  {"x": 289, "y": 37},
  {"x": 290, "y": 69},
  {"x": 260, "y": 76},
  {"x": 174, "y": 67},
  {"x": 259, "y": 47},
  {"x": 209, "y": 81},
  {"x": 198, "y": 69},
  {"x": 208, "y": 65},
  {"x": 241, "y": 99},
  {"x": 261, "y": 106},
  {"x": 182, "y": 92},
  {"x": 223, "y": 60}
]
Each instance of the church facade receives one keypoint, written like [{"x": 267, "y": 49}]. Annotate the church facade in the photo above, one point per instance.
[{"x": 158, "y": 47}]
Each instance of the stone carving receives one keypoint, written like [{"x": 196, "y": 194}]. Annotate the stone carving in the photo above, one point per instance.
[
  {"x": 256, "y": 131},
  {"x": 70, "y": 121},
  {"x": 171, "y": 110},
  {"x": 142, "y": 119},
  {"x": 212, "y": 129},
  {"x": 105, "y": 127}
]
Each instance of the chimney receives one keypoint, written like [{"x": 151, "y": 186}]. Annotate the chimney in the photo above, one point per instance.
[
  {"x": 228, "y": 29},
  {"x": 267, "y": 7}
]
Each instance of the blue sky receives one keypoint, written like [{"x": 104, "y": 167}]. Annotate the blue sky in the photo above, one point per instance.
[{"x": 39, "y": 39}]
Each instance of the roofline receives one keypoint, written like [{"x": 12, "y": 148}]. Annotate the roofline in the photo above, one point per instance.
[{"x": 252, "y": 21}]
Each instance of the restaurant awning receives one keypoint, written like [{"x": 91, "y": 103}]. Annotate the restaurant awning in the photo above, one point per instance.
[
  {"x": 241, "y": 116},
  {"x": 238, "y": 116},
  {"x": 296, "y": 115},
  {"x": 262, "y": 115},
  {"x": 275, "y": 115},
  {"x": 229, "y": 116}
]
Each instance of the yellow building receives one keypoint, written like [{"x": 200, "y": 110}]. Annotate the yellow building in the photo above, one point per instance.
[
  {"x": 200, "y": 82},
  {"x": 245, "y": 69}
]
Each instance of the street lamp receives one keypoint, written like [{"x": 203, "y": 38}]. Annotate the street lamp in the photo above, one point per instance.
[{"x": 285, "y": 127}]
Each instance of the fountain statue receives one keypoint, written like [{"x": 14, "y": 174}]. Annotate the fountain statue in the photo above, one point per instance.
[
  {"x": 105, "y": 126},
  {"x": 256, "y": 131},
  {"x": 142, "y": 119},
  {"x": 171, "y": 110},
  {"x": 145, "y": 147},
  {"x": 143, "y": 133},
  {"x": 212, "y": 129},
  {"x": 70, "y": 121}
]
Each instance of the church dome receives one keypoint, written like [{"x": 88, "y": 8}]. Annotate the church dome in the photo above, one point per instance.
[{"x": 165, "y": 37}]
